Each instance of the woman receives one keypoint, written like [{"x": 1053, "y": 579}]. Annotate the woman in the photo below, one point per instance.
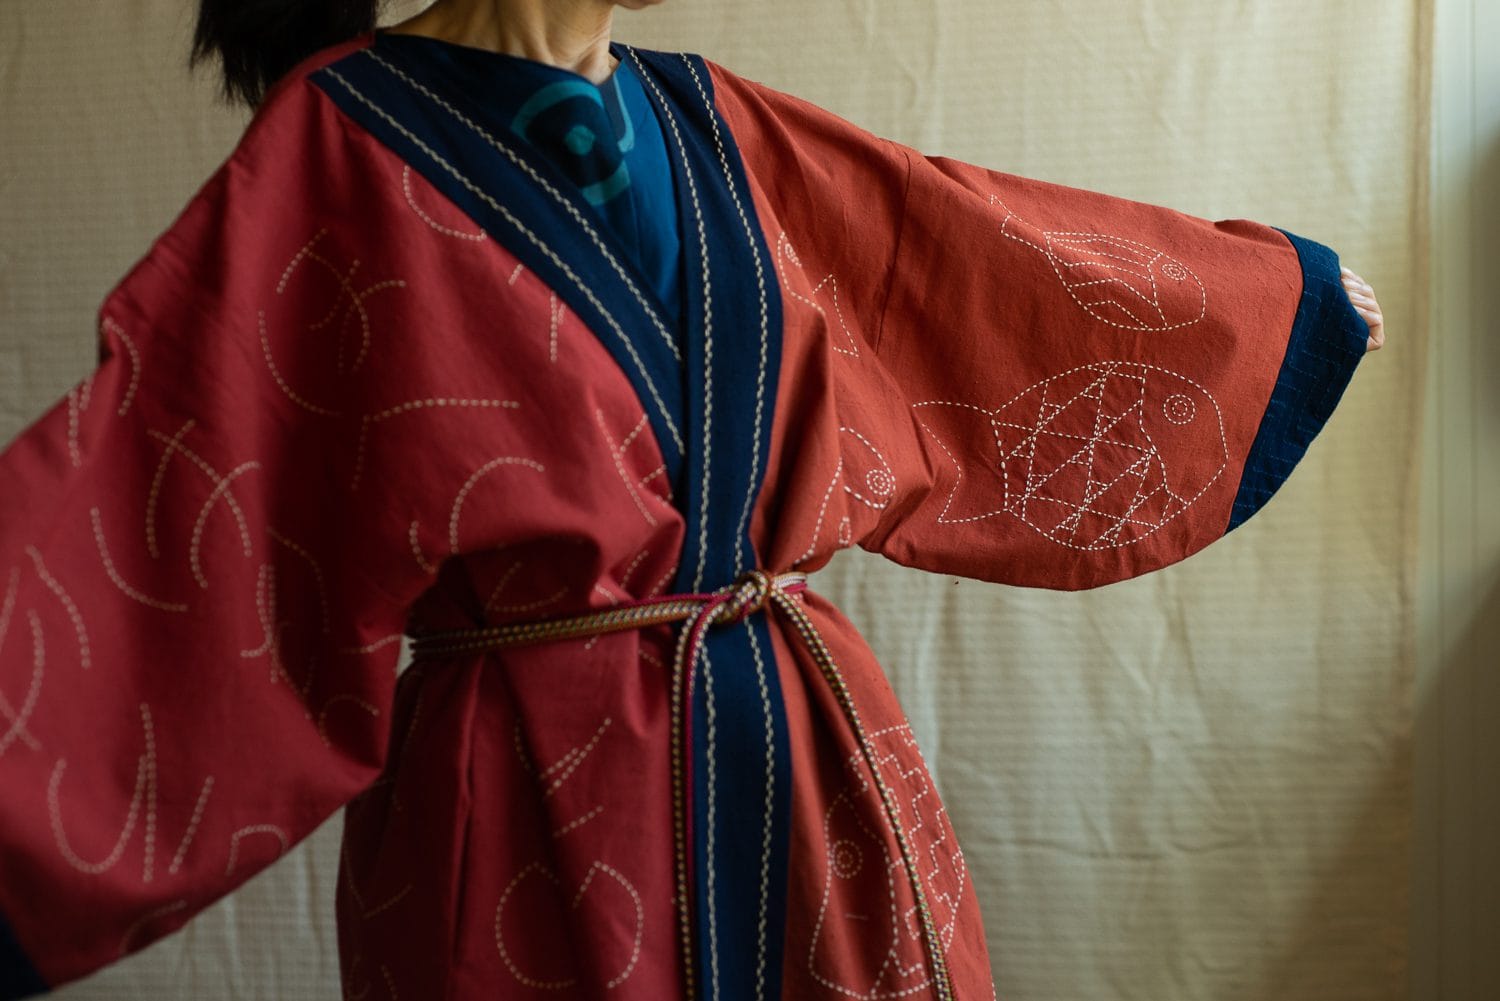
[{"x": 568, "y": 358}]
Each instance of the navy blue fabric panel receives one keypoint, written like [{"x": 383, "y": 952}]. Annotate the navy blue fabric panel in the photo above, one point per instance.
[
  {"x": 741, "y": 763},
  {"x": 1327, "y": 341},
  {"x": 426, "y": 118},
  {"x": 18, "y": 978},
  {"x": 741, "y": 749}
]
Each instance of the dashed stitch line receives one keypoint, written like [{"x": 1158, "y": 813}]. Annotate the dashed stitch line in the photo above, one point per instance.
[
  {"x": 624, "y": 578},
  {"x": 547, "y": 874},
  {"x": 583, "y": 221},
  {"x": 161, "y": 471},
  {"x": 316, "y": 569},
  {"x": 348, "y": 980},
  {"x": 56, "y": 588},
  {"x": 445, "y": 230},
  {"x": 630, "y": 486},
  {"x": 510, "y": 964},
  {"x": 577, "y": 823},
  {"x": 555, "y": 311},
  {"x": 458, "y": 501},
  {"x": 1179, "y": 409},
  {"x": 516, "y": 223},
  {"x": 500, "y": 586},
  {"x": 114, "y": 573},
  {"x": 357, "y": 305},
  {"x": 174, "y": 445},
  {"x": 440, "y": 401},
  {"x": 18, "y": 717},
  {"x": 708, "y": 325},
  {"x": 392, "y": 902},
  {"x": 291, "y": 266},
  {"x": 192, "y": 828},
  {"x": 1090, "y": 243},
  {"x": 578, "y": 755},
  {"x": 785, "y": 250},
  {"x": 662, "y": 582},
  {"x": 291, "y": 394},
  {"x": 134, "y": 929},
  {"x": 323, "y": 713},
  {"x": 261, "y": 614},
  {"x": 151, "y": 794},
  {"x": 921, "y": 770},
  {"x": 54, "y": 809},
  {"x": 416, "y": 550},
  {"x": 135, "y": 364},
  {"x": 838, "y": 472},
  {"x": 1105, "y": 370},
  {"x": 234, "y": 841},
  {"x": 408, "y": 407},
  {"x": 758, "y": 424},
  {"x": 942, "y": 517},
  {"x": 195, "y": 545},
  {"x": 629, "y": 439},
  {"x": 887, "y": 487},
  {"x": 371, "y": 647},
  {"x": 74, "y": 453},
  {"x": 640, "y": 922}
]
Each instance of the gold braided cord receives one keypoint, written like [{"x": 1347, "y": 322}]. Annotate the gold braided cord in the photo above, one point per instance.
[
  {"x": 609, "y": 620},
  {"x": 681, "y": 675},
  {"x": 749, "y": 594}
]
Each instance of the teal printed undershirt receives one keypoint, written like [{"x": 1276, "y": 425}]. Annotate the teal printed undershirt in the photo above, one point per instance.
[{"x": 605, "y": 138}]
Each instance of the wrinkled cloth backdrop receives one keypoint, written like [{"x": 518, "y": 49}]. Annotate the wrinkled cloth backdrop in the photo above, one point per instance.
[{"x": 1193, "y": 785}]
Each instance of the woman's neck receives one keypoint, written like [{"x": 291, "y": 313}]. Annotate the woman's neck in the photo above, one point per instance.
[{"x": 573, "y": 34}]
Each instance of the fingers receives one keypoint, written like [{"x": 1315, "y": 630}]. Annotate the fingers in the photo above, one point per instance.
[
  {"x": 1362, "y": 297},
  {"x": 1359, "y": 290}
]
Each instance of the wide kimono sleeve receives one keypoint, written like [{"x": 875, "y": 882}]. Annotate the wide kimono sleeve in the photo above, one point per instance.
[
  {"x": 1060, "y": 388},
  {"x": 209, "y": 547}
]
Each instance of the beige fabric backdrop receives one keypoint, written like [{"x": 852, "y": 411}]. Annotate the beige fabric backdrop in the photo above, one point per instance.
[{"x": 1193, "y": 785}]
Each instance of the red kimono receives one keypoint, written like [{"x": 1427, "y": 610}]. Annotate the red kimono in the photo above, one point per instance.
[{"x": 386, "y": 375}]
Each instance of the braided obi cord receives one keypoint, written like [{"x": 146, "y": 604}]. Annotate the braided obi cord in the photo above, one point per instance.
[{"x": 750, "y": 593}]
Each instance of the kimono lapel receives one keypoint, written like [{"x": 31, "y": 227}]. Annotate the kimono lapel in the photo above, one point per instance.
[
  {"x": 422, "y": 109},
  {"x": 741, "y": 757},
  {"x": 710, "y": 404}
]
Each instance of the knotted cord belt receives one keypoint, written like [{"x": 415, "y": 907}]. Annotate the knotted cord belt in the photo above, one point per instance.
[{"x": 749, "y": 594}]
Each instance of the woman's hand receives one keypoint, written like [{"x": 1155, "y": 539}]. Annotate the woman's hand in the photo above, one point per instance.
[{"x": 1363, "y": 298}]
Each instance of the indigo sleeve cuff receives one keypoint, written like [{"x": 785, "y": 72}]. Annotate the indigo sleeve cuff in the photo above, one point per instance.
[{"x": 1327, "y": 341}]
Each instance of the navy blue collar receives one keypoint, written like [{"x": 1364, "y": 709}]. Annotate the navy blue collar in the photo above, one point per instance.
[{"x": 483, "y": 84}]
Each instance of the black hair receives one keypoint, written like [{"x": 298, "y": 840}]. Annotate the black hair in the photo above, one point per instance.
[{"x": 258, "y": 41}]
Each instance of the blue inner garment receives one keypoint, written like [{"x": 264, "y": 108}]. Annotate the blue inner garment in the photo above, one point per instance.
[{"x": 605, "y": 138}]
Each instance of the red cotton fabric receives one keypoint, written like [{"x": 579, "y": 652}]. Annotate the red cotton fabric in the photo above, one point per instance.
[{"x": 329, "y": 409}]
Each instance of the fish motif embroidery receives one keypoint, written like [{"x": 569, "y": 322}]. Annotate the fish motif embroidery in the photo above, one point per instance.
[
  {"x": 1120, "y": 282},
  {"x": 1099, "y": 457},
  {"x": 864, "y": 873}
]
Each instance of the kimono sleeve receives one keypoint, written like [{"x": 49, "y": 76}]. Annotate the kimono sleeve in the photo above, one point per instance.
[
  {"x": 1057, "y": 387},
  {"x": 199, "y": 617},
  {"x": 1094, "y": 387}
]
